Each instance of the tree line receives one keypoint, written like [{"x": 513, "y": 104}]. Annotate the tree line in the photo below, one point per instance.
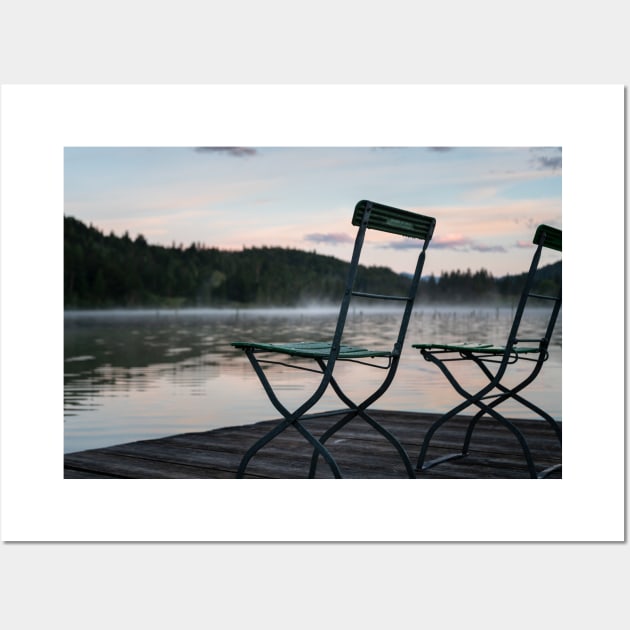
[{"x": 102, "y": 271}]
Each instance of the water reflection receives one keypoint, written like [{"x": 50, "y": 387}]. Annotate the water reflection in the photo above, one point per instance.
[{"x": 136, "y": 375}]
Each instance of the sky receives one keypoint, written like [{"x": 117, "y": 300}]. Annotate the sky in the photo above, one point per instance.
[{"x": 487, "y": 201}]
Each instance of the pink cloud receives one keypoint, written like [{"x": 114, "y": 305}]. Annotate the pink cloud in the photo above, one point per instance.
[{"x": 335, "y": 238}]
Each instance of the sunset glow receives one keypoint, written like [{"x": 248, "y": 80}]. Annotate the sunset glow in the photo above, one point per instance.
[{"x": 487, "y": 201}]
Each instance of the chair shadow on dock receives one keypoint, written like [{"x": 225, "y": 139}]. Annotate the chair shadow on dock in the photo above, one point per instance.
[{"x": 360, "y": 452}]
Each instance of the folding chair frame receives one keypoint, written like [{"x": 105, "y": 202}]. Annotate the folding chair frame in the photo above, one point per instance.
[
  {"x": 367, "y": 215},
  {"x": 482, "y": 354}
]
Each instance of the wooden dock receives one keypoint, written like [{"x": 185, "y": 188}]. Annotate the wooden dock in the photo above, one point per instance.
[{"x": 358, "y": 449}]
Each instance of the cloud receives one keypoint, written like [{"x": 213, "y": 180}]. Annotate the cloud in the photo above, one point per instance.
[
  {"x": 551, "y": 162},
  {"x": 329, "y": 239},
  {"x": 436, "y": 149},
  {"x": 451, "y": 241},
  {"x": 529, "y": 222},
  {"x": 408, "y": 243},
  {"x": 444, "y": 242},
  {"x": 478, "y": 247},
  {"x": 235, "y": 151},
  {"x": 454, "y": 241}
]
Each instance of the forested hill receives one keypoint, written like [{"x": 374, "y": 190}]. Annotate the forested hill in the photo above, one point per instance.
[{"x": 117, "y": 271}]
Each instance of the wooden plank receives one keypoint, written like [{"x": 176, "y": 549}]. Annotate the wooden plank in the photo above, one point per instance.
[
  {"x": 115, "y": 465},
  {"x": 359, "y": 450}
]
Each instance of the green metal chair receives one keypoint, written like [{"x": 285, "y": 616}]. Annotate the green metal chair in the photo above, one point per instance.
[
  {"x": 326, "y": 354},
  {"x": 494, "y": 362}
]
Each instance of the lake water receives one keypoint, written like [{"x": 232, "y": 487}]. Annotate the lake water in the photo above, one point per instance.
[{"x": 131, "y": 375}]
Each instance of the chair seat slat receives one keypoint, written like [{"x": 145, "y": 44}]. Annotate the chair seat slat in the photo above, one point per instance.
[
  {"x": 485, "y": 348},
  {"x": 311, "y": 349}
]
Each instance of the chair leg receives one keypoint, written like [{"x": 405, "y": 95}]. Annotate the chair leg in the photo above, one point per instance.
[
  {"x": 324, "y": 437},
  {"x": 485, "y": 409},
  {"x": 547, "y": 471},
  {"x": 360, "y": 410},
  {"x": 469, "y": 400},
  {"x": 258, "y": 445},
  {"x": 420, "y": 464},
  {"x": 319, "y": 448},
  {"x": 510, "y": 394},
  {"x": 393, "y": 440},
  {"x": 543, "y": 414},
  {"x": 519, "y": 436},
  {"x": 513, "y": 394},
  {"x": 291, "y": 419}
]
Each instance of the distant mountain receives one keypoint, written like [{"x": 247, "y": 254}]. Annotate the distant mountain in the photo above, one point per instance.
[{"x": 115, "y": 271}]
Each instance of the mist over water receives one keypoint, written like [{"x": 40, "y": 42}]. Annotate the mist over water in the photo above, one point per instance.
[{"x": 141, "y": 374}]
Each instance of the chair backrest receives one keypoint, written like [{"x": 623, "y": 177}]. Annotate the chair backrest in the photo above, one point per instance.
[
  {"x": 550, "y": 238},
  {"x": 377, "y": 216},
  {"x": 388, "y": 219}
]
